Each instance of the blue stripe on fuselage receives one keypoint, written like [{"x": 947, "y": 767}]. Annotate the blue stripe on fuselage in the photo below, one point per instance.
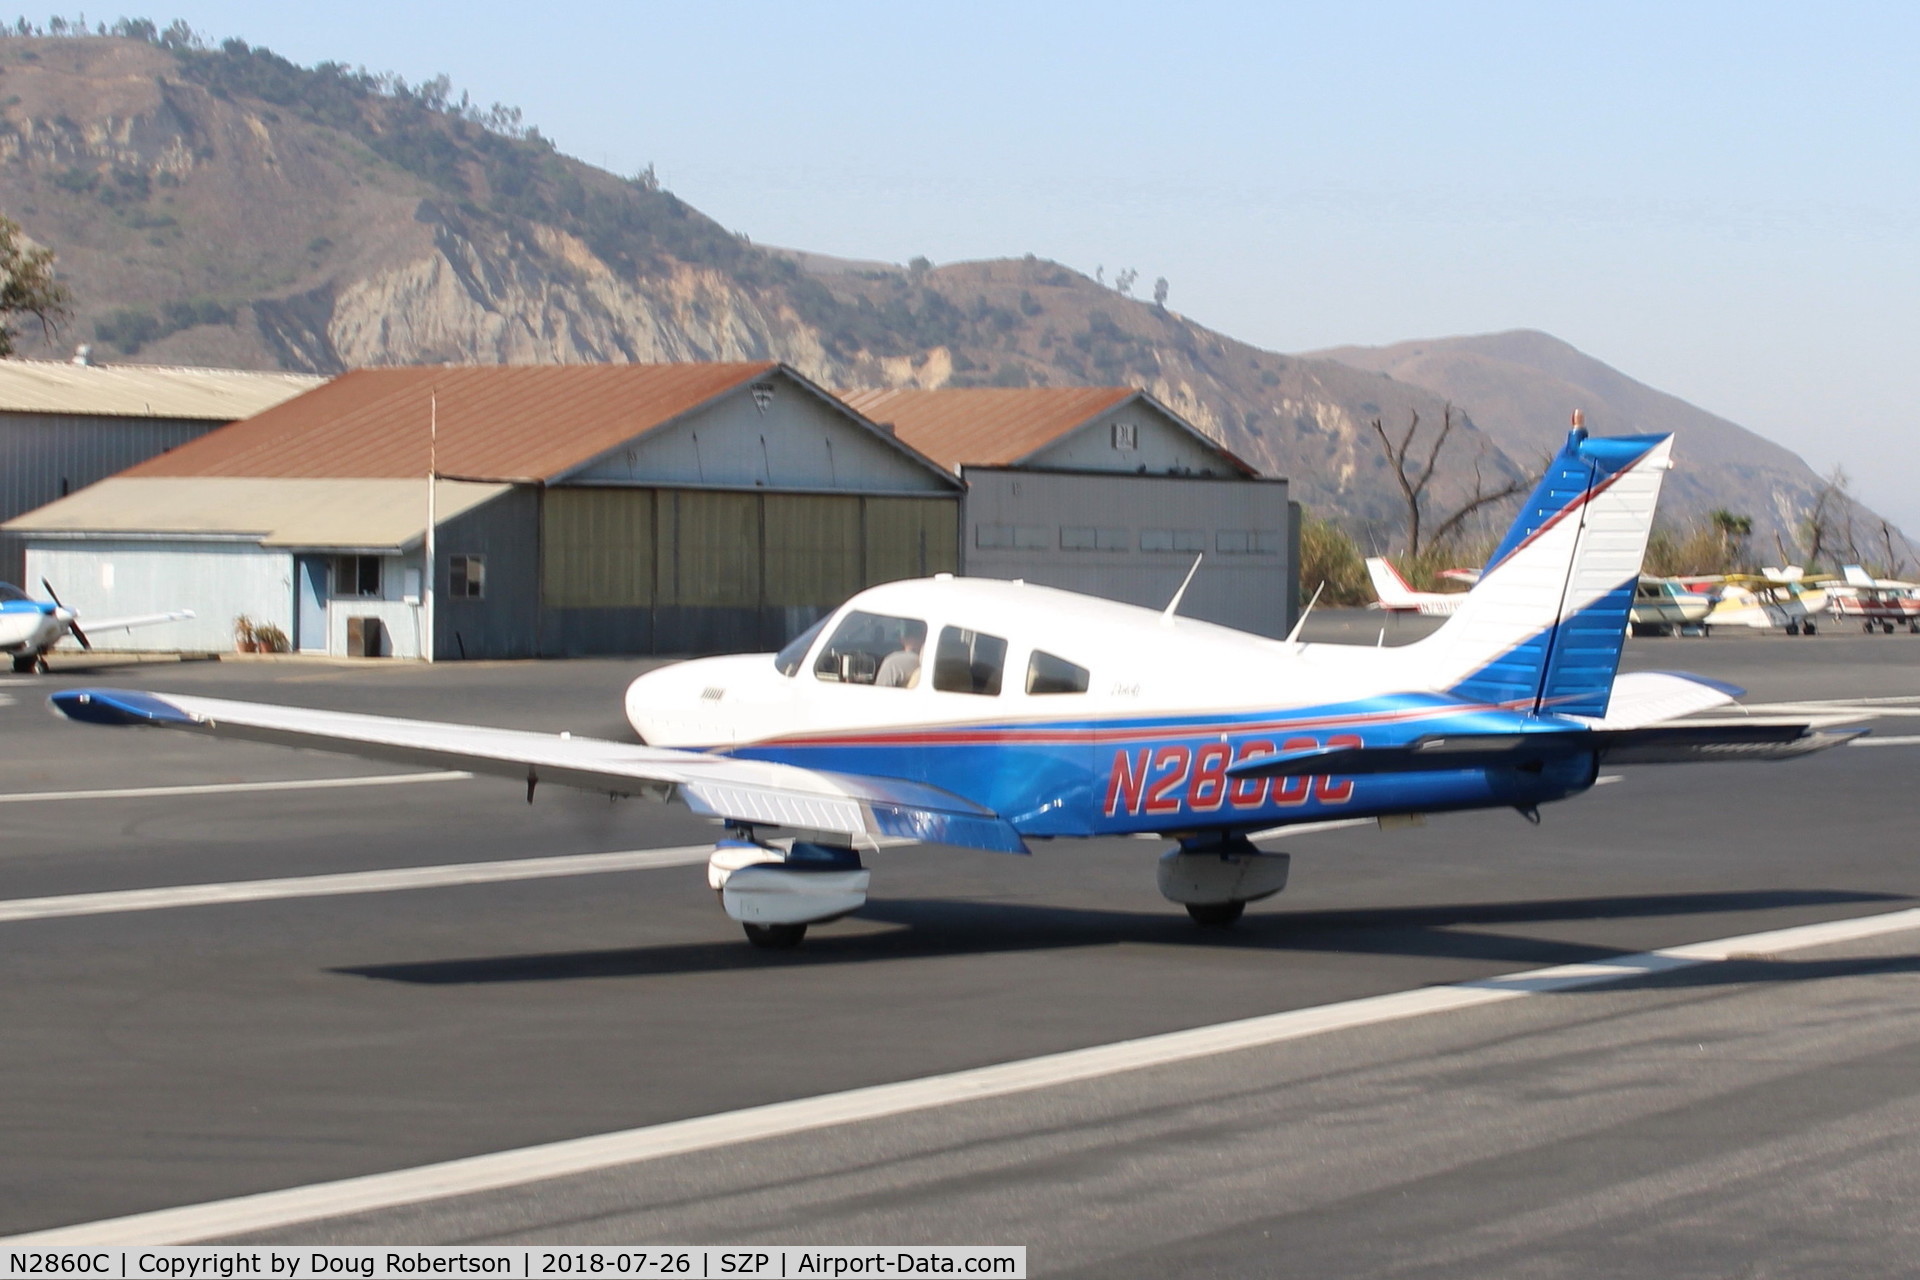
[{"x": 1111, "y": 777}]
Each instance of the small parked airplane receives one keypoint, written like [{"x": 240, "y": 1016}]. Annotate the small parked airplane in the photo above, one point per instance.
[
  {"x": 29, "y": 627},
  {"x": 1663, "y": 606},
  {"x": 1881, "y": 602},
  {"x": 989, "y": 714},
  {"x": 1775, "y": 597},
  {"x": 1398, "y": 596}
]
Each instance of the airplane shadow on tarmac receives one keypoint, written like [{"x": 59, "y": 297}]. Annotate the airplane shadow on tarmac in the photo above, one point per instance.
[{"x": 932, "y": 928}]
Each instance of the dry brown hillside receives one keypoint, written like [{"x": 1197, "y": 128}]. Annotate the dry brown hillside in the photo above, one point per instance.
[{"x": 223, "y": 206}]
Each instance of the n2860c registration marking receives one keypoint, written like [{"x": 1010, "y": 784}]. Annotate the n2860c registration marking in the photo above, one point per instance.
[{"x": 1179, "y": 779}]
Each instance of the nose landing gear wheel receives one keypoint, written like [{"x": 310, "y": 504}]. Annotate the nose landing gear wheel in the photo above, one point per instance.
[
  {"x": 775, "y": 937},
  {"x": 1216, "y": 915}
]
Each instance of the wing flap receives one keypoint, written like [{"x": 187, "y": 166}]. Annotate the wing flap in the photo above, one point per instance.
[{"x": 715, "y": 785}]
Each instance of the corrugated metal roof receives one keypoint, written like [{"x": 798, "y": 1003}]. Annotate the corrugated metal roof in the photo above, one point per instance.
[
  {"x": 144, "y": 391},
  {"x": 985, "y": 426},
  {"x": 279, "y": 512},
  {"x": 496, "y": 422}
]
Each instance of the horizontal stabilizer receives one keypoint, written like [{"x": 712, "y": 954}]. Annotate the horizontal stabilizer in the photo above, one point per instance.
[
  {"x": 718, "y": 786},
  {"x": 1655, "y": 744}
]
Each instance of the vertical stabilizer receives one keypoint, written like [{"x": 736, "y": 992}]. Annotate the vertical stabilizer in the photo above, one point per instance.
[
  {"x": 1543, "y": 629},
  {"x": 1392, "y": 589}
]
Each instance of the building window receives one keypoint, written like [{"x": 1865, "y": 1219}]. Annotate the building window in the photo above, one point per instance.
[
  {"x": 467, "y": 577},
  {"x": 1023, "y": 537},
  {"x": 1172, "y": 540},
  {"x": 1088, "y": 538},
  {"x": 356, "y": 576},
  {"x": 1243, "y": 542}
]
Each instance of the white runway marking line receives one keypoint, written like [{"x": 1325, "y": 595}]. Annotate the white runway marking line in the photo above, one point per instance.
[
  {"x": 327, "y": 886},
  {"x": 236, "y": 788},
  {"x": 1899, "y": 740},
  {"x": 274, "y": 1209}
]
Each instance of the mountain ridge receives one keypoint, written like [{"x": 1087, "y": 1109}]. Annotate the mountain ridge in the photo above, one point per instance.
[{"x": 223, "y": 206}]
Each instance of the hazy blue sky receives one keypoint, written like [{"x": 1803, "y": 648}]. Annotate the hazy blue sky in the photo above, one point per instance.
[{"x": 1721, "y": 200}]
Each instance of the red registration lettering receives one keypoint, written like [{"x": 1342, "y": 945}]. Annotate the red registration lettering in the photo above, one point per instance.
[
  {"x": 1208, "y": 790},
  {"x": 1325, "y": 789},
  {"x": 1293, "y": 790},
  {"x": 1162, "y": 796},
  {"x": 1247, "y": 793},
  {"x": 1127, "y": 782}
]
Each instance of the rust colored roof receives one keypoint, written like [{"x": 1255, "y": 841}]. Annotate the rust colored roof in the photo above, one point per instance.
[
  {"x": 985, "y": 426},
  {"x": 496, "y": 422},
  {"x": 1003, "y": 426}
]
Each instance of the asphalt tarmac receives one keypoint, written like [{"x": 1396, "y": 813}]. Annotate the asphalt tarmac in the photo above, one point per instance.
[{"x": 1752, "y": 1117}]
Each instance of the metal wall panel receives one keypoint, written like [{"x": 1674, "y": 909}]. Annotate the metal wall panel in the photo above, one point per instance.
[
  {"x": 505, "y": 621},
  {"x": 45, "y": 456},
  {"x": 710, "y": 552},
  {"x": 1132, "y": 538},
  {"x": 217, "y": 580}
]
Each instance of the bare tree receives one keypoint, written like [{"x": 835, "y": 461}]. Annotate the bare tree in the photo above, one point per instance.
[
  {"x": 27, "y": 285},
  {"x": 1829, "y": 526},
  {"x": 1413, "y": 485}
]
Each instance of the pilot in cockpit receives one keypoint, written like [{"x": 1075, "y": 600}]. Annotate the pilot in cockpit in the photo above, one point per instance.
[{"x": 901, "y": 668}]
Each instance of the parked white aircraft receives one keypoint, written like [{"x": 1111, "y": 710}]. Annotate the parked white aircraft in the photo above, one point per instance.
[
  {"x": 1777, "y": 597},
  {"x": 1398, "y": 596},
  {"x": 29, "y": 627},
  {"x": 990, "y": 714}
]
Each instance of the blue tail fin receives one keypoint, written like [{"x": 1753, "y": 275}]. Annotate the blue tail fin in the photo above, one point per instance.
[{"x": 1543, "y": 629}]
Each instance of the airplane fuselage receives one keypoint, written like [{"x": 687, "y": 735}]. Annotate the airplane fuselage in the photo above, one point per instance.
[
  {"x": 30, "y": 626},
  {"x": 1139, "y": 734}
]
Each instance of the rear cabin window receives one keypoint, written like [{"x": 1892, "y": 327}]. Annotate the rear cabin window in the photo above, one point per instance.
[
  {"x": 875, "y": 649},
  {"x": 969, "y": 662},
  {"x": 1048, "y": 674}
]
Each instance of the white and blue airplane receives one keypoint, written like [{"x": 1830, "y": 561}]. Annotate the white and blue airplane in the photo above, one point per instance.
[
  {"x": 29, "y": 627},
  {"x": 992, "y": 714}
]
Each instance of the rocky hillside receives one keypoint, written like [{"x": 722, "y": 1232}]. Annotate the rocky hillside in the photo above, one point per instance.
[
  {"x": 222, "y": 206},
  {"x": 1521, "y": 384}
]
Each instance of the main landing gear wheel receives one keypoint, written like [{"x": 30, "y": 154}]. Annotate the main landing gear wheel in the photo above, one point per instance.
[
  {"x": 23, "y": 663},
  {"x": 1216, "y": 915},
  {"x": 775, "y": 937}
]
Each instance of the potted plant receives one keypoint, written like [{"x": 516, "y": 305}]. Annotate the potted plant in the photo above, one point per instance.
[
  {"x": 270, "y": 639},
  {"x": 246, "y": 637}
]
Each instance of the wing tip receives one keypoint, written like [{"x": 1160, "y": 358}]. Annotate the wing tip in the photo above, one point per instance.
[{"x": 117, "y": 707}]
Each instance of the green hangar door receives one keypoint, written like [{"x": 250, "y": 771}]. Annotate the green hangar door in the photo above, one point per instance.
[{"x": 668, "y": 570}]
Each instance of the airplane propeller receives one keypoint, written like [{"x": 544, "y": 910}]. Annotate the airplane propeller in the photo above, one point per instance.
[{"x": 73, "y": 624}]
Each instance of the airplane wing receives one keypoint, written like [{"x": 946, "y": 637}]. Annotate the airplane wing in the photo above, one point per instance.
[
  {"x": 713, "y": 785},
  {"x": 94, "y": 625},
  {"x": 1653, "y": 744}
]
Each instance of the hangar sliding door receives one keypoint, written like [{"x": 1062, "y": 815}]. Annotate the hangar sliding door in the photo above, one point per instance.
[
  {"x": 911, "y": 538},
  {"x": 597, "y": 549}
]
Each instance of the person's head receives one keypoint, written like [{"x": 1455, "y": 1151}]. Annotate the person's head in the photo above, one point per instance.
[{"x": 914, "y": 638}]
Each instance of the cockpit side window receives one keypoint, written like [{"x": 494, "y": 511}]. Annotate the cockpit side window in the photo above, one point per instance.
[
  {"x": 969, "y": 662},
  {"x": 1049, "y": 674},
  {"x": 10, "y": 592},
  {"x": 788, "y": 660},
  {"x": 875, "y": 649}
]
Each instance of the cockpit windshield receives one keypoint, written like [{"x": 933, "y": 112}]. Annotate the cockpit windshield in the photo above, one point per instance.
[
  {"x": 10, "y": 592},
  {"x": 788, "y": 660}
]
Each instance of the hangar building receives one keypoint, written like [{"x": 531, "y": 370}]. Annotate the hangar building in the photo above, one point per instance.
[
  {"x": 1106, "y": 491},
  {"x": 65, "y": 425},
  {"x": 581, "y": 509}
]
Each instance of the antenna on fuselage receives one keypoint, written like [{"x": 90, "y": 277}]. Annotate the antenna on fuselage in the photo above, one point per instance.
[
  {"x": 1173, "y": 605},
  {"x": 1294, "y": 635}
]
